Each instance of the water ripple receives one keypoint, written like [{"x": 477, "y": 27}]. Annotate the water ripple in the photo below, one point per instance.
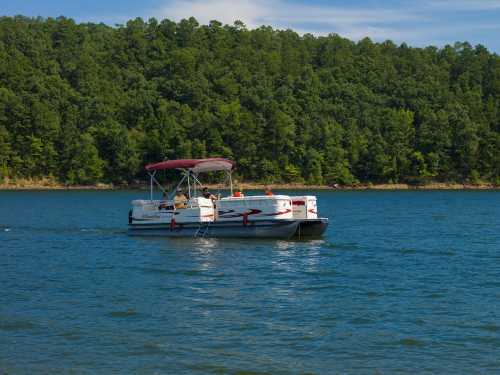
[{"x": 401, "y": 283}]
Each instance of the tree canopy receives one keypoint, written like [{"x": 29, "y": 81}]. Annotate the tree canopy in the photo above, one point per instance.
[{"x": 86, "y": 103}]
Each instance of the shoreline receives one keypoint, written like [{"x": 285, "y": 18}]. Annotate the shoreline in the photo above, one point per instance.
[
  {"x": 50, "y": 185},
  {"x": 429, "y": 186}
]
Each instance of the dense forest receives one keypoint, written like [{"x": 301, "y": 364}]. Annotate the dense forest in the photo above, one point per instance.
[{"x": 85, "y": 103}]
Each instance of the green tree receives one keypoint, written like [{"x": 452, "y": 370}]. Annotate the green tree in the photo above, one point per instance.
[
  {"x": 85, "y": 165},
  {"x": 286, "y": 107},
  {"x": 5, "y": 152}
]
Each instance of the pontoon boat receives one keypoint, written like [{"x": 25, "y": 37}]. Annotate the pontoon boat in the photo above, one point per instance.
[{"x": 257, "y": 216}]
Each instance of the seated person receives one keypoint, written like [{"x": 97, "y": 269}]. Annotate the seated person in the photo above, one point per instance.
[
  {"x": 238, "y": 192},
  {"x": 268, "y": 191},
  {"x": 180, "y": 200},
  {"x": 206, "y": 194},
  {"x": 163, "y": 203}
]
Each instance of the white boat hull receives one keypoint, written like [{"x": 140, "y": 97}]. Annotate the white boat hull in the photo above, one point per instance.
[
  {"x": 227, "y": 229},
  {"x": 311, "y": 227},
  {"x": 276, "y": 216}
]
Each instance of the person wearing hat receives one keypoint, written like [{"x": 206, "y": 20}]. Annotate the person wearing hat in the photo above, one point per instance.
[{"x": 180, "y": 200}]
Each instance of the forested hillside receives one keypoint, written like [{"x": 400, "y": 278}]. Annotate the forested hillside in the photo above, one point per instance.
[{"x": 83, "y": 103}]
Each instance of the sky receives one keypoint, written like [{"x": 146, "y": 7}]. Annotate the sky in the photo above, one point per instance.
[{"x": 418, "y": 23}]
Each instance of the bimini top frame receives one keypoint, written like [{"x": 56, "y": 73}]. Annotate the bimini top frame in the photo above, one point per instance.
[
  {"x": 194, "y": 165},
  {"x": 190, "y": 169}
]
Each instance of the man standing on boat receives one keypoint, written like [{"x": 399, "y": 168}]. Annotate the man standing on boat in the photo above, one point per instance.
[
  {"x": 180, "y": 200},
  {"x": 206, "y": 194}
]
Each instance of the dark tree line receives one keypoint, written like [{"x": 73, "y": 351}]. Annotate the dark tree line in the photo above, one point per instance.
[{"x": 83, "y": 103}]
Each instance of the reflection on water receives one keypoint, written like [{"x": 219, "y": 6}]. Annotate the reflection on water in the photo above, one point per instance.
[{"x": 206, "y": 244}]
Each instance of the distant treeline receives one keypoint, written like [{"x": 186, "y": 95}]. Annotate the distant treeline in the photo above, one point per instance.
[{"x": 84, "y": 103}]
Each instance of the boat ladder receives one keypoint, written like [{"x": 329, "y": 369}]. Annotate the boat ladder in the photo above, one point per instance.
[{"x": 202, "y": 230}]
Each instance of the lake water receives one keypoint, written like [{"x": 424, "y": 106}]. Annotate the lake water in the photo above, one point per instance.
[{"x": 402, "y": 282}]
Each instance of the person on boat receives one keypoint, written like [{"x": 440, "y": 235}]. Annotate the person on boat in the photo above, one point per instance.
[
  {"x": 163, "y": 203},
  {"x": 268, "y": 191},
  {"x": 238, "y": 193},
  {"x": 206, "y": 194},
  {"x": 180, "y": 200},
  {"x": 237, "y": 190}
]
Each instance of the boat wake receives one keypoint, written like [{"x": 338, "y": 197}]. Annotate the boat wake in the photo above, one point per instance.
[{"x": 64, "y": 231}]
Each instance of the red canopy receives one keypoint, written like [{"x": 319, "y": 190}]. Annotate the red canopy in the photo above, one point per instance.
[{"x": 196, "y": 165}]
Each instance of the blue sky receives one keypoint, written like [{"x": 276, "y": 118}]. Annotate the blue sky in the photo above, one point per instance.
[{"x": 419, "y": 22}]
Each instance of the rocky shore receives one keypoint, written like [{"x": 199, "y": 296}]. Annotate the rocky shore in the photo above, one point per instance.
[{"x": 48, "y": 184}]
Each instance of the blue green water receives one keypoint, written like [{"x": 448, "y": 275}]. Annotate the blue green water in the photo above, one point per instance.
[{"x": 402, "y": 282}]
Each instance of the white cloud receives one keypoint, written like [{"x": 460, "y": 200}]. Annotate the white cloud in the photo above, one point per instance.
[
  {"x": 413, "y": 22},
  {"x": 464, "y": 5},
  {"x": 226, "y": 11},
  {"x": 350, "y": 22}
]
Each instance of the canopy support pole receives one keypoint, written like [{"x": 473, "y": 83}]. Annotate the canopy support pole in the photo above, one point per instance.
[
  {"x": 151, "y": 178},
  {"x": 194, "y": 184},
  {"x": 197, "y": 181},
  {"x": 230, "y": 182}
]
